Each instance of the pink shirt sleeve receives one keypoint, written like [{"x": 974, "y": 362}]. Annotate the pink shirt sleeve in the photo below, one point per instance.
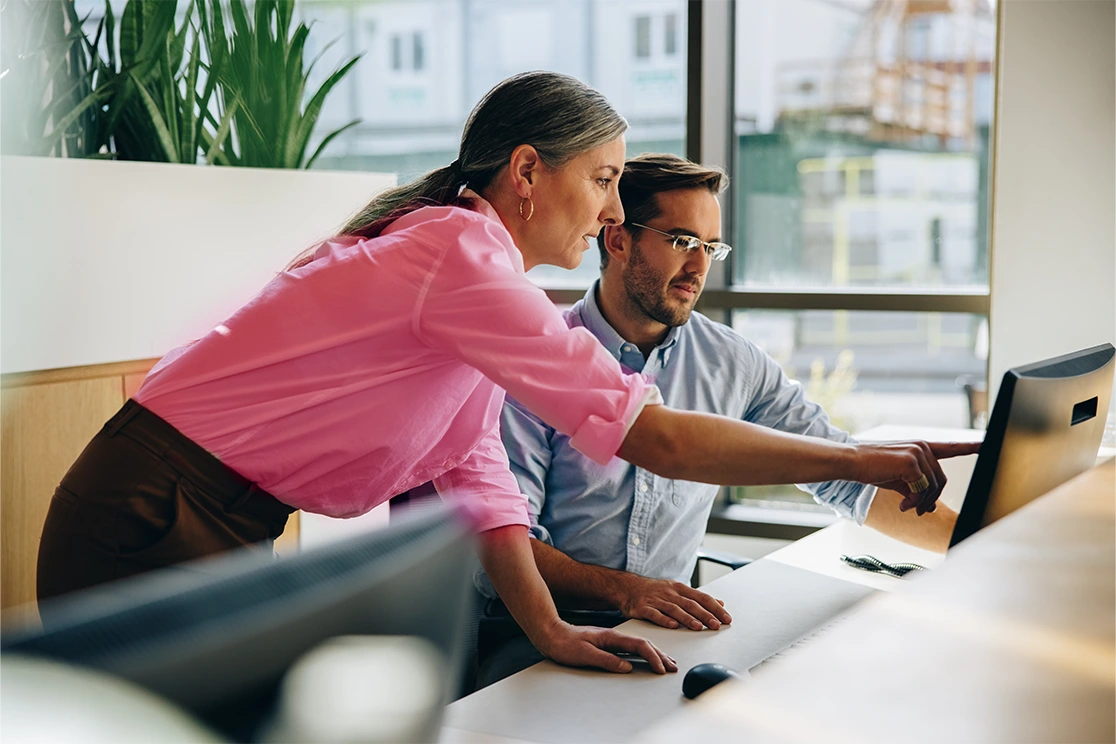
[
  {"x": 484, "y": 485},
  {"x": 478, "y": 306}
]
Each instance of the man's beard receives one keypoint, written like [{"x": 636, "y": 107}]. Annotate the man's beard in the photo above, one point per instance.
[{"x": 646, "y": 289}]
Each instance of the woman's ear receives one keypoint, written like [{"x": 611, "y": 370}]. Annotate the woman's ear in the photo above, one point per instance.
[
  {"x": 618, "y": 242},
  {"x": 523, "y": 169}
]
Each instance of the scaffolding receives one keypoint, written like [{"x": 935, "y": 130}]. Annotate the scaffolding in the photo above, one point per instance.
[{"x": 910, "y": 72}]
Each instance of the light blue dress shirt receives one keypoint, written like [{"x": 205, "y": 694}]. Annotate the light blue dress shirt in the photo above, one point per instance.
[{"x": 625, "y": 517}]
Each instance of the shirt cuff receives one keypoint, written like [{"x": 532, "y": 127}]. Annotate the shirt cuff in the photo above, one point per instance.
[
  {"x": 600, "y": 440},
  {"x": 863, "y": 503},
  {"x": 651, "y": 397}
]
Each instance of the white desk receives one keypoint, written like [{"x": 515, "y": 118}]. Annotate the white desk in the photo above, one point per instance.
[
  {"x": 549, "y": 703},
  {"x": 1012, "y": 640}
]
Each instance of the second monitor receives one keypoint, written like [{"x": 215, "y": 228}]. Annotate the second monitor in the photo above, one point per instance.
[{"x": 1045, "y": 428}]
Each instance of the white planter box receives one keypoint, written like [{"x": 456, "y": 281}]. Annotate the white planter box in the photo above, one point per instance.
[{"x": 112, "y": 261}]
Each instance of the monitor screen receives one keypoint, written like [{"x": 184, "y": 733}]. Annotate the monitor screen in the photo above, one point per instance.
[
  {"x": 218, "y": 640},
  {"x": 1045, "y": 428}
]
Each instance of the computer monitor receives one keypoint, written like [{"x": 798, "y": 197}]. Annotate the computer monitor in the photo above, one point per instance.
[
  {"x": 218, "y": 643},
  {"x": 1045, "y": 428}
]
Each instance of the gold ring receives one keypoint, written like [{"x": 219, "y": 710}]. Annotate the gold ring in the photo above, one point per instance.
[{"x": 919, "y": 485}]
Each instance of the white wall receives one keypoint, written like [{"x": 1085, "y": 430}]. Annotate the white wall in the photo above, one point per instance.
[
  {"x": 113, "y": 261},
  {"x": 1053, "y": 241}
]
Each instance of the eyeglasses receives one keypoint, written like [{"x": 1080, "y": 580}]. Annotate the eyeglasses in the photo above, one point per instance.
[{"x": 689, "y": 244}]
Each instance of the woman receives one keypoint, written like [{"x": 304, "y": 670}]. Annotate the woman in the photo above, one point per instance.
[{"x": 379, "y": 360}]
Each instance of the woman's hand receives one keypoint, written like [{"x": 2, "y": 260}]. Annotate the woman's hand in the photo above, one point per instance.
[
  {"x": 900, "y": 466},
  {"x": 507, "y": 557},
  {"x": 584, "y": 646}
]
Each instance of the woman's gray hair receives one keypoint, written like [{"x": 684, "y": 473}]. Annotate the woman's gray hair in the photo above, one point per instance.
[{"x": 560, "y": 116}]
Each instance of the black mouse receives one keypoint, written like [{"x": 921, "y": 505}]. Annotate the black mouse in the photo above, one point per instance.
[{"x": 703, "y": 676}]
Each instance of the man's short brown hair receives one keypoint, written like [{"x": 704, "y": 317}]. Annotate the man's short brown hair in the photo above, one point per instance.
[{"x": 648, "y": 175}]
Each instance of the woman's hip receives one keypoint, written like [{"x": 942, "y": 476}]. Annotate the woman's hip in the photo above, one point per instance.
[{"x": 142, "y": 496}]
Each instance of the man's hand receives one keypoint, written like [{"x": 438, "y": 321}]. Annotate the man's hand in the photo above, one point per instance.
[
  {"x": 584, "y": 646},
  {"x": 671, "y": 604}
]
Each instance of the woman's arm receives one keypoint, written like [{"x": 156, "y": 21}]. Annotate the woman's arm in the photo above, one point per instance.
[
  {"x": 713, "y": 449},
  {"x": 479, "y": 308},
  {"x": 506, "y": 555}
]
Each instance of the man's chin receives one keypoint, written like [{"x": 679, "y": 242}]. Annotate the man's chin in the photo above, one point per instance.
[{"x": 675, "y": 314}]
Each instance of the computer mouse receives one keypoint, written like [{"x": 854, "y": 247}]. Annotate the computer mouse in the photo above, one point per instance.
[{"x": 703, "y": 676}]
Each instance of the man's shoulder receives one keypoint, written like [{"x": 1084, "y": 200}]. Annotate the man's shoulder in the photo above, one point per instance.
[
  {"x": 705, "y": 329},
  {"x": 572, "y": 315}
]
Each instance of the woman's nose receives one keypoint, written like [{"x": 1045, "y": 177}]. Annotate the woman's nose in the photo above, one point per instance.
[{"x": 613, "y": 212}]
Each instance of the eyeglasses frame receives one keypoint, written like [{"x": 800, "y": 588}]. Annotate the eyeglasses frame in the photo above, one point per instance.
[{"x": 707, "y": 245}]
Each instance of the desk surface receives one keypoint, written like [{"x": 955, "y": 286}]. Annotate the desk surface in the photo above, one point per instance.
[
  {"x": 549, "y": 703},
  {"x": 1011, "y": 640}
]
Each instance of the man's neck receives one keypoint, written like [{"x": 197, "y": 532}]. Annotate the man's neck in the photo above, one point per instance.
[{"x": 626, "y": 318}]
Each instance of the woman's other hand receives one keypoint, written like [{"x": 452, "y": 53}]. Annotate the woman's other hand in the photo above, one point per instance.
[{"x": 584, "y": 646}]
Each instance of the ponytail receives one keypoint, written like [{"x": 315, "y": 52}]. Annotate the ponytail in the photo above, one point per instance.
[{"x": 560, "y": 116}]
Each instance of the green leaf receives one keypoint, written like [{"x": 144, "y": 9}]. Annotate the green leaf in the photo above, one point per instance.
[
  {"x": 203, "y": 106},
  {"x": 314, "y": 108},
  {"x": 110, "y": 35},
  {"x": 190, "y": 143},
  {"x": 130, "y": 30},
  {"x": 160, "y": 125},
  {"x": 222, "y": 133},
  {"x": 65, "y": 122},
  {"x": 166, "y": 84}
]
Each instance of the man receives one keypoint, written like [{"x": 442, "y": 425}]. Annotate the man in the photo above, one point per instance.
[{"x": 617, "y": 536}]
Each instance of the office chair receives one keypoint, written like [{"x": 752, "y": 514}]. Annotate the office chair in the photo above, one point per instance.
[
  {"x": 976, "y": 397},
  {"x": 718, "y": 557}
]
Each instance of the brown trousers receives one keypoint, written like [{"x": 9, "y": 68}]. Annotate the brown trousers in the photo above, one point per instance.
[{"x": 142, "y": 496}]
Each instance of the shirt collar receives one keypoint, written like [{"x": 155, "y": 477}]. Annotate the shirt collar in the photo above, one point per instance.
[
  {"x": 481, "y": 204},
  {"x": 595, "y": 321}
]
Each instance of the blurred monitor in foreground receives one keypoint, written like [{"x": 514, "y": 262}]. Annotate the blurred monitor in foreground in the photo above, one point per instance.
[
  {"x": 218, "y": 641},
  {"x": 1045, "y": 428}
]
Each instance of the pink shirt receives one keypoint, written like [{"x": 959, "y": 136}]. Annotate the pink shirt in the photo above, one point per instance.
[{"x": 382, "y": 364}]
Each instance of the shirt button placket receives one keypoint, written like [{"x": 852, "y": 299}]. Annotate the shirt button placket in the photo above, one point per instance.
[{"x": 640, "y": 518}]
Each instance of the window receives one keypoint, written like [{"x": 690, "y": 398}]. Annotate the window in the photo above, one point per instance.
[
  {"x": 643, "y": 37},
  {"x": 396, "y": 52},
  {"x": 861, "y": 208},
  {"x": 407, "y": 51},
  {"x": 670, "y": 34},
  {"x": 419, "y": 53}
]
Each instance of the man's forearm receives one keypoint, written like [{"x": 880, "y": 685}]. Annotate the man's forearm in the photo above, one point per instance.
[
  {"x": 930, "y": 531},
  {"x": 578, "y": 585},
  {"x": 665, "y": 602}
]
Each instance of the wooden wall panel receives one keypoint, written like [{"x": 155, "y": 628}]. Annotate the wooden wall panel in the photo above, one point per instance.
[{"x": 44, "y": 429}]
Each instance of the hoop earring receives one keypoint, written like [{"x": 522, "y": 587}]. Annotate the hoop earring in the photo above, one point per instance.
[{"x": 531, "y": 213}]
